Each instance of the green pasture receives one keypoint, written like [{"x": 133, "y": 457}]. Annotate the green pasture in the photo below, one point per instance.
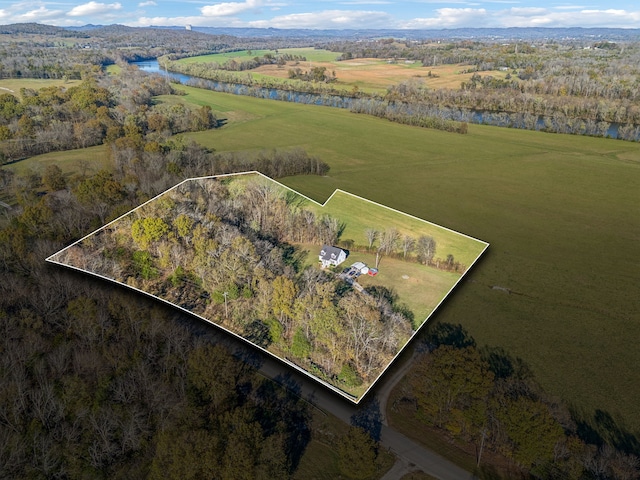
[
  {"x": 360, "y": 215},
  {"x": 13, "y": 85},
  {"x": 94, "y": 158},
  {"x": 561, "y": 214},
  {"x": 419, "y": 287},
  {"x": 310, "y": 53}
]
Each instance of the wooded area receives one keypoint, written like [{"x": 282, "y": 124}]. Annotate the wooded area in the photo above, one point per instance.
[
  {"x": 226, "y": 249},
  {"x": 489, "y": 401}
]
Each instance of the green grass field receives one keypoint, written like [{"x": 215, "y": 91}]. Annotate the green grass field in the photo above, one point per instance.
[
  {"x": 13, "y": 85},
  {"x": 310, "y": 53},
  {"x": 95, "y": 158},
  {"x": 360, "y": 215},
  {"x": 561, "y": 214}
]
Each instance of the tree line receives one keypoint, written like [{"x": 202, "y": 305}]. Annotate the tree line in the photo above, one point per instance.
[
  {"x": 405, "y": 247},
  {"x": 485, "y": 398}
]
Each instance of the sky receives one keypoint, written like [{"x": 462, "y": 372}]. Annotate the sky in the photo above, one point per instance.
[{"x": 329, "y": 14}]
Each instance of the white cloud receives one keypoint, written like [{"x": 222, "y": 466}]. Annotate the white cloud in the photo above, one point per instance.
[
  {"x": 451, "y": 18},
  {"x": 526, "y": 17},
  {"x": 150, "y": 3},
  {"x": 93, "y": 8},
  {"x": 198, "y": 21},
  {"x": 226, "y": 9},
  {"x": 582, "y": 18},
  {"x": 37, "y": 15},
  {"x": 527, "y": 11},
  {"x": 569, "y": 7},
  {"x": 340, "y": 19},
  {"x": 366, "y": 2}
]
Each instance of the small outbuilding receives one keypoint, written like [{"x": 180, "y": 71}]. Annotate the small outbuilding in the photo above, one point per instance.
[
  {"x": 361, "y": 268},
  {"x": 331, "y": 256}
]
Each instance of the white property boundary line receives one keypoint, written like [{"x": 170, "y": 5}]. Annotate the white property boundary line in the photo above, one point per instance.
[{"x": 355, "y": 400}]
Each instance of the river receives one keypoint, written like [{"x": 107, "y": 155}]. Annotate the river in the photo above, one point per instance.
[{"x": 461, "y": 115}]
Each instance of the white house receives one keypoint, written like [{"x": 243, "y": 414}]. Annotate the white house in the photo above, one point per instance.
[{"x": 331, "y": 256}]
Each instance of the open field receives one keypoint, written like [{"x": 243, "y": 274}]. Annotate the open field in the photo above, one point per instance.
[
  {"x": 13, "y": 85},
  {"x": 375, "y": 75},
  {"x": 367, "y": 74},
  {"x": 310, "y": 53},
  {"x": 361, "y": 215},
  {"x": 95, "y": 159},
  {"x": 560, "y": 212}
]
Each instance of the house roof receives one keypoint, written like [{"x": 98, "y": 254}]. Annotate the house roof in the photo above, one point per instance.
[{"x": 327, "y": 252}]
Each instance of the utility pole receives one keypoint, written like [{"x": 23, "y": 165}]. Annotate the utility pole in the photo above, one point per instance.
[
  {"x": 226, "y": 312},
  {"x": 484, "y": 434}
]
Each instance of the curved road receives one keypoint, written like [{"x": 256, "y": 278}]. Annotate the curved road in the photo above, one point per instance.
[{"x": 411, "y": 455}]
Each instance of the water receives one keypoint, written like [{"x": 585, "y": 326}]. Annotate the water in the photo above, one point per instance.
[
  {"x": 152, "y": 66},
  {"x": 337, "y": 101}
]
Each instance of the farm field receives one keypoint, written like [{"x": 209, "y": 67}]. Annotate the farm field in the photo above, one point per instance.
[
  {"x": 560, "y": 212},
  {"x": 311, "y": 54},
  {"x": 367, "y": 74}
]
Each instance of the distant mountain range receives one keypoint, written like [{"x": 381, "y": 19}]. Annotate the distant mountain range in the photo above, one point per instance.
[
  {"x": 449, "y": 34},
  {"x": 495, "y": 34}
]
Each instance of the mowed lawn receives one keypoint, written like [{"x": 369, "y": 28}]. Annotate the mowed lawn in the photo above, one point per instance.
[
  {"x": 360, "y": 215},
  {"x": 562, "y": 215}
]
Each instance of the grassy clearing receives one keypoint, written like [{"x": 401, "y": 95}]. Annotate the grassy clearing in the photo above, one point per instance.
[
  {"x": 71, "y": 160},
  {"x": 13, "y": 85},
  {"x": 560, "y": 212},
  {"x": 422, "y": 291},
  {"x": 360, "y": 215}
]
